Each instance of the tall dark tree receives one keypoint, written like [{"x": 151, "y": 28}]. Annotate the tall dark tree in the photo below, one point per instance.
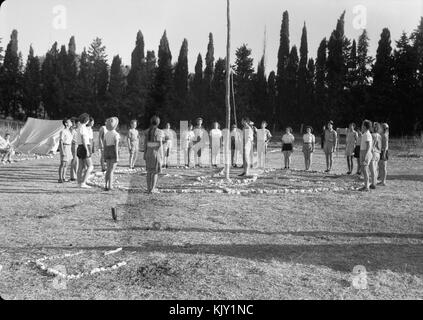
[
  {"x": 364, "y": 61},
  {"x": 283, "y": 55},
  {"x": 197, "y": 87},
  {"x": 32, "y": 85},
  {"x": 302, "y": 74},
  {"x": 336, "y": 70},
  {"x": 291, "y": 114},
  {"x": 321, "y": 83},
  {"x": 10, "y": 79},
  {"x": 310, "y": 93},
  {"x": 244, "y": 71},
  {"x": 260, "y": 95},
  {"x": 272, "y": 96},
  {"x": 405, "y": 85},
  {"x": 97, "y": 57},
  {"x": 209, "y": 70},
  {"x": 116, "y": 92},
  {"x": 218, "y": 91},
  {"x": 417, "y": 40},
  {"x": 181, "y": 75},
  {"x": 383, "y": 107},
  {"x": 163, "y": 86}
]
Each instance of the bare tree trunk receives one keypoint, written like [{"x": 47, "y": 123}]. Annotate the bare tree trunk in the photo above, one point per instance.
[{"x": 228, "y": 92}]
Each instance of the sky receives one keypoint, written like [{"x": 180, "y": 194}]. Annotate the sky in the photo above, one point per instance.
[{"x": 42, "y": 22}]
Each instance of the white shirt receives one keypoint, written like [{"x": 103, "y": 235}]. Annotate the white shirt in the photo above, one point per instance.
[
  {"x": 216, "y": 133},
  {"x": 111, "y": 138},
  {"x": 90, "y": 134},
  {"x": 82, "y": 131},
  {"x": 189, "y": 137},
  {"x": 66, "y": 136},
  {"x": 366, "y": 137},
  {"x": 309, "y": 138},
  {"x": 288, "y": 138}
]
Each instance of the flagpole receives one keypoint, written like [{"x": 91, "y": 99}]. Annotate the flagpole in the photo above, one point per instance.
[{"x": 228, "y": 91}]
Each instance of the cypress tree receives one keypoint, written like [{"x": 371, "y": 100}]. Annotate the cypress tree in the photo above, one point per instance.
[
  {"x": 163, "y": 87},
  {"x": 218, "y": 90},
  {"x": 382, "y": 80},
  {"x": 291, "y": 114},
  {"x": 32, "y": 85},
  {"x": 321, "y": 82},
  {"x": 272, "y": 94},
  {"x": 116, "y": 91},
  {"x": 10, "y": 78},
  {"x": 197, "y": 87},
  {"x": 336, "y": 69},
  {"x": 283, "y": 55},
  {"x": 302, "y": 74},
  {"x": 244, "y": 72},
  {"x": 181, "y": 74}
]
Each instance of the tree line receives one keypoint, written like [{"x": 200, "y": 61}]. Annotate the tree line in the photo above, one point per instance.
[{"x": 343, "y": 83}]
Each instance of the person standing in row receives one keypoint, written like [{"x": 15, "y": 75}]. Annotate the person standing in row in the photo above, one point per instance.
[
  {"x": 199, "y": 132},
  {"x": 74, "y": 147},
  {"x": 266, "y": 136},
  {"x": 188, "y": 144},
  {"x": 357, "y": 152},
  {"x": 288, "y": 146},
  {"x": 65, "y": 148},
  {"x": 101, "y": 133},
  {"x": 376, "y": 150},
  {"x": 247, "y": 145},
  {"x": 352, "y": 140},
  {"x": 330, "y": 145},
  {"x": 90, "y": 127},
  {"x": 366, "y": 153},
  {"x": 168, "y": 144},
  {"x": 216, "y": 141},
  {"x": 85, "y": 165},
  {"x": 384, "y": 157},
  {"x": 111, "y": 150},
  {"x": 309, "y": 142},
  {"x": 236, "y": 140},
  {"x": 133, "y": 143},
  {"x": 153, "y": 155}
]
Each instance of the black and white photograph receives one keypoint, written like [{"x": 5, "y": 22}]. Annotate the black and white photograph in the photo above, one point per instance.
[{"x": 211, "y": 150}]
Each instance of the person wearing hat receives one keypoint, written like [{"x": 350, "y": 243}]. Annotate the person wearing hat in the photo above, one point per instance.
[
  {"x": 309, "y": 141},
  {"x": 384, "y": 157},
  {"x": 198, "y": 132},
  {"x": 111, "y": 150},
  {"x": 330, "y": 145}
]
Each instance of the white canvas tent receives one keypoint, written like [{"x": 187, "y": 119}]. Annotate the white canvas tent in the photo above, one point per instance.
[{"x": 38, "y": 136}]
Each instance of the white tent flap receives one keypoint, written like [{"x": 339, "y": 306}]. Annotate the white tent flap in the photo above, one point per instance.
[{"x": 38, "y": 136}]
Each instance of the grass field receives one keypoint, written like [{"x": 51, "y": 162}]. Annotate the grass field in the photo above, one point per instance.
[{"x": 212, "y": 245}]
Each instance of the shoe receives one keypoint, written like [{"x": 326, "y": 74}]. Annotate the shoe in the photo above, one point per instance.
[
  {"x": 349, "y": 173},
  {"x": 60, "y": 181},
  {"x": 364, "y": 189},
  {"x": 373, "y": 187},
  {"x": 72, "y": 179}
]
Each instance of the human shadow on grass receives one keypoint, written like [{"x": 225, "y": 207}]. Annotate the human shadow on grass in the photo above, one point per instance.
[
  {"x": 317, "y": 234},
  {"x": 416, "y": 178},
  {"x": 339, "y": 257}
]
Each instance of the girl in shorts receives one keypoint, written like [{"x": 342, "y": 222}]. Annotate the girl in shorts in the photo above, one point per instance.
[
  {"x": 85, "y": 164},
  {"x": 111, "y": 150},
  {"x": 384, "y": 157},
  {"x": 133, "y": 143},
  {"x": 65, "y": 147},
  {"x": 309, "y": 141},
  {"x": 350, "y": 149},
  {"x": 287, "y": 146}
]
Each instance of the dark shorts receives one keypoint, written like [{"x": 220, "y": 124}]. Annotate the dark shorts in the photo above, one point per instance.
[
  {"x": 110, "y": 153},
  {"x": 357, "y": 152},
  {"x": 384, "y": 156},
  {"x": 81, "y": 152},
  {"x": 287, "y": 147}
]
